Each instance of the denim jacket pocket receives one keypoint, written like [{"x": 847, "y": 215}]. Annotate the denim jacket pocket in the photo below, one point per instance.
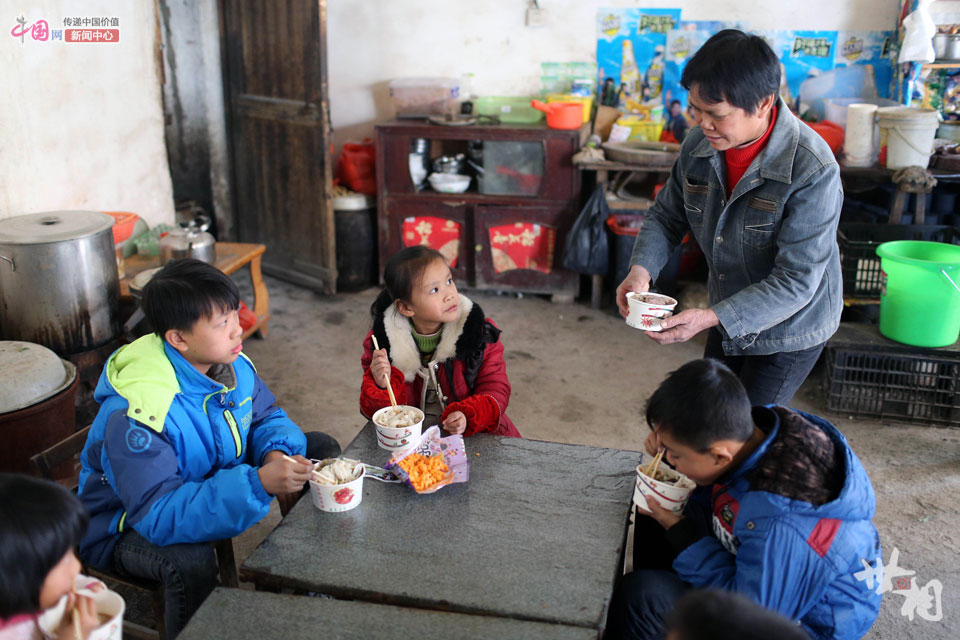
[
  {"x": 695, "y": 197},
  {"x": 761, "y": 221}
]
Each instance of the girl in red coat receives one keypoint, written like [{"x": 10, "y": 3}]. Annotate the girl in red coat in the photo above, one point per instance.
[{"x": 436, "y": 347}]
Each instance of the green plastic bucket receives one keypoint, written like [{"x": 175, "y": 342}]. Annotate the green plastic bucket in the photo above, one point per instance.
[{"x": 920, "y": 294}]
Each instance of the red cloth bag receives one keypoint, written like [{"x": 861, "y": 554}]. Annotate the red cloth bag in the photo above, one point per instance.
[{"x": 357, "y": 167}]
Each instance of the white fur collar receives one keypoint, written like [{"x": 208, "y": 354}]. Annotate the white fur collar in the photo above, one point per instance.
[{"x": 404, "y": 354}]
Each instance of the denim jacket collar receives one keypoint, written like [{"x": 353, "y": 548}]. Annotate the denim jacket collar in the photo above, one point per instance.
[{"x": 775, "y": 162}]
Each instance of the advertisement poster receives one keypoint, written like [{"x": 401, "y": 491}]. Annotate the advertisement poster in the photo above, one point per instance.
[
  {"x": 682, "y": 43},
  {"x": 631, "y": 46},
  {"x": 875, "y": 48}
]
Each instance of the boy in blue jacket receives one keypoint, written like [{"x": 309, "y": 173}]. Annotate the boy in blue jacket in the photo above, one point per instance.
[
  {"x": 188, "y": 447},
  {"x": 781, "y": 514}
]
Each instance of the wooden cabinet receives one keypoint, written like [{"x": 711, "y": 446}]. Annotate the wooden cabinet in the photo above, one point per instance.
[{"x": 506, "y": 232}]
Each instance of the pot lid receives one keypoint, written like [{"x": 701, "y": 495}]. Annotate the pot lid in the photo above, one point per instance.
[
  {"x": 53, "y": 226},
  {"x": 30, "y": 373}
]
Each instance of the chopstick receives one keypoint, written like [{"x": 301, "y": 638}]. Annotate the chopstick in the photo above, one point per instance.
[
  {"x": 386, "y": 378},
  {"x": 654, "y": 464},
  {"x": 76, "y": 621}
]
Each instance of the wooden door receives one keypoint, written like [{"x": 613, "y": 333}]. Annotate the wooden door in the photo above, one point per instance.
[{"x": 275, "y": 75}]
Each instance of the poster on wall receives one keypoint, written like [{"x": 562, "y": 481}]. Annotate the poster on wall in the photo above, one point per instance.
[
  {"x": 631, "y": 47},
  {"x": 682, "y": 43},
  {"x": 803, "y": 54},
  {"x": 875, "y": 48}
]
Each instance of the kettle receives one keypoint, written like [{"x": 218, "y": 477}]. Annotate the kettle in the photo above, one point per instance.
[{"x": 191, "y": 240}]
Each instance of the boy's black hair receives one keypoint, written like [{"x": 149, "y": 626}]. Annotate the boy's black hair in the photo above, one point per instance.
[
  {"x": 733, "y": 66},
  {"x": 185, "y": 291},
  {"x": 700, "y": 403},
  {"x": 711, "y": 614},
  {"x": 673, "y": 102},
  {"x": 401, "y": 273},
  {"x": 39, "y": 522}
]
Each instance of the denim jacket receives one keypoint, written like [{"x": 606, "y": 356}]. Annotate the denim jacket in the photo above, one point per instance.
[{"x": 774, "y": 278}]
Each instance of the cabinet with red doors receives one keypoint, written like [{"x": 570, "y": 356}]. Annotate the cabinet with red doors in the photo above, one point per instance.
[{"x": 506, "y": 231}]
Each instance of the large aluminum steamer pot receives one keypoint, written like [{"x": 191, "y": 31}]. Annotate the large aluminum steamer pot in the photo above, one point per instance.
[{"x": 58, "y": 280}]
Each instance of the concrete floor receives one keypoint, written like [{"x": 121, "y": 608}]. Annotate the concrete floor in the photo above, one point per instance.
[{"x": 582, "y": 376}]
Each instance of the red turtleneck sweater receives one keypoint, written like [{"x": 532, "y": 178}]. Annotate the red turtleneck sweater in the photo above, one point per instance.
[{"x": 737, "y": 160}]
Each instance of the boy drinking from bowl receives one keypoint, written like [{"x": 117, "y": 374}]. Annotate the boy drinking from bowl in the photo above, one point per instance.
[
  {"x": 188, "y": 446},
  {"x": 781, "y": 513}
]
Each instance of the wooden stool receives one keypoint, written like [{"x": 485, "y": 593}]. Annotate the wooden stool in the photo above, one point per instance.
[{"x": 909, "y": 180}]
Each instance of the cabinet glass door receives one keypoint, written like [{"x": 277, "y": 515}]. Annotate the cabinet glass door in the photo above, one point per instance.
[{"x": 511, "y": 168}]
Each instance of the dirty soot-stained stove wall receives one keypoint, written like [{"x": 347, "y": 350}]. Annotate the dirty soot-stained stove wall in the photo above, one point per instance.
[{"x": 275, "y": 78}]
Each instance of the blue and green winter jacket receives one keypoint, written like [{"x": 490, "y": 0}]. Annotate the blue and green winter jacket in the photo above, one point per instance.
[{"x": 174, "y": 453}]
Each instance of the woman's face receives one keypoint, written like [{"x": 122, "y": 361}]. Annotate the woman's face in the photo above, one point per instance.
[
  {"x": 727, "y": 126},
  {"x": 59, "y": 580}
]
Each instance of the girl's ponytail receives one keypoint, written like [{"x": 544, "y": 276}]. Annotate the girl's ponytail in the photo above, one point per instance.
[{"x": 381, "y": 304}]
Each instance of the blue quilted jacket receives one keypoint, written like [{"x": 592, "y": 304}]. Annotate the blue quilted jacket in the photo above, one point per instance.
[
  {"x": 174, "y": 453},
  {"x": 789, "y": 555}
]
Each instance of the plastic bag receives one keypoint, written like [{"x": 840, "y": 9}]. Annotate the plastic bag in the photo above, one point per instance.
[
  {"x": 586, "y": 248},
  {"x": 356, "y": 167},
  {"x": 431, "y": 444}
]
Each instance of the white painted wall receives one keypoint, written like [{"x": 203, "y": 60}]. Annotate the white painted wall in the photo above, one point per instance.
[
  {"x": 81, "y": 123},
  {"x": 373, "y": 41}
]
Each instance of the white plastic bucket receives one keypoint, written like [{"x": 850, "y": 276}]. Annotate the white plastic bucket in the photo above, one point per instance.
[{"x": 907, "y": 133}]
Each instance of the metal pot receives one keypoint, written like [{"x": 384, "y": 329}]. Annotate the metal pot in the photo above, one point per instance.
[
  {"x": 58, "y": 280},
  {"x": 191, "y": 240}
]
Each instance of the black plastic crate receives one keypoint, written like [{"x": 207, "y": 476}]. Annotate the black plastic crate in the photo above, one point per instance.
[
  {"x": 858, "y": 241},
  {"x": 869, "y": 376}
]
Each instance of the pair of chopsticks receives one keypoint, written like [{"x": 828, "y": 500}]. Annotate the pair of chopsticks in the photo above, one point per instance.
[
  {"x": 654, "y": 464},
  {"x": 295, "y": 461},
  {"x": 386, "y": 378}
]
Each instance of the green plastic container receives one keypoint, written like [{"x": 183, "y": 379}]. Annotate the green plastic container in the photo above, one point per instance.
[
  {"x": 510, "y": 109},
  {"x": 920, "y": 294}
]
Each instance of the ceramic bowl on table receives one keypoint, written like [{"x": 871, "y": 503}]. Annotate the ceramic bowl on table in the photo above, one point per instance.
[{"x": 449, "y": 182}]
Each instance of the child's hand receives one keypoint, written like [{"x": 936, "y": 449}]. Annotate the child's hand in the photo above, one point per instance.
[
  {"x": 380, "y": 368},
  {"x": 279, "y": 475},
  {"x": 455, "y": 423},
  {"x": 652, "y": 443},
  {"x": 665, "y": 517},
  {"x": 85, "y": 611}
]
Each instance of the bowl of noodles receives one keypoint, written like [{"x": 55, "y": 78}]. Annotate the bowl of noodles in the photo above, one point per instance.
[
  {"x": 668, "y": 487},
  {"x": 398, "y": 427}
]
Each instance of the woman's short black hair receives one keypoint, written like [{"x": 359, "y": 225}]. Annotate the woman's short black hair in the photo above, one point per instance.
[
  {"x": 712, "y": 614},
  {"x": 39, "y": 522},
  {"x": 401, "y": 273},
  {"x": 700, "y": 403},
  {"x": 185, "y": 291},
  {"x": 733, "y": 66}
]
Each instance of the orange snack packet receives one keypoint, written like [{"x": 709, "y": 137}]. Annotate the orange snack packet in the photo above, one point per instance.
[{"x": 424, "y": 471}]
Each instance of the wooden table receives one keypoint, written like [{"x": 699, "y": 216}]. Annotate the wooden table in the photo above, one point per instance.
[
  {"x": 234, "y": 613},
  {"x": 231, "y": 256},
  {"x": 538, "y": 533}
]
